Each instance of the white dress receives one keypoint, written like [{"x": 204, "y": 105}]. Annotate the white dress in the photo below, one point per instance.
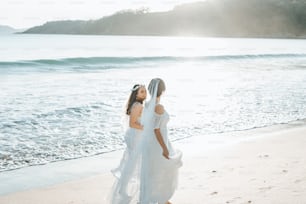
[
  {"x": 163, "y": 172},
  {"x": 126, "y": 187}
]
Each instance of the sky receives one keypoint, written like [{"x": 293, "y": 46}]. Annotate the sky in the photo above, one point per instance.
[{"x": 29, "y": 13}]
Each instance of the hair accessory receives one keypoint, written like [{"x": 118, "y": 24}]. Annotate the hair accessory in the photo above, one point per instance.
[{"x": 137, "y": 87}]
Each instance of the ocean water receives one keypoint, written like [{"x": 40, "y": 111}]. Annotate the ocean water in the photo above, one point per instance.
[{"x": 63, "y": 97}]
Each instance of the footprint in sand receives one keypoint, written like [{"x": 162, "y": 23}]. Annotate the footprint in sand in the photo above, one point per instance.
[
  {"x": 297, "y": 181},
  {"x": 263, "y": 156},
  {"x": 214, "y": 193},
  {"x": 230, "y": 201},
  {"x": 265, "y": 188},
  {"x": 233, "y": 200}
]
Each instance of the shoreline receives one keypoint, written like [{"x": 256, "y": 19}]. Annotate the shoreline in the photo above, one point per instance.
[
  {"x": 183, "y": 36},
  {"x": 242, "y": 155},
  {"x": 290, "y": 124},
  {"x": 169, "y": 36}
]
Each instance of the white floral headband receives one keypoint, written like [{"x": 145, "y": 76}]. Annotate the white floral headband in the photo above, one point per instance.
[{"x": 137, "y": 87}]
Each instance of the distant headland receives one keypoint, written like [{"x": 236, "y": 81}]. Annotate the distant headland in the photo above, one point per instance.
[
  {"x": 211, "y": 18},
  {"x": 4, "y": 29}
]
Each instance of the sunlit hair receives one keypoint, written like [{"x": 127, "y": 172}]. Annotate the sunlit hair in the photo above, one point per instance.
[
  {"x": 161, "y": 86},
  {"x": 133, "y": 98}
]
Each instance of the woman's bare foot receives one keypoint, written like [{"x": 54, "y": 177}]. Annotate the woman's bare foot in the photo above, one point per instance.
[{"x": 168, "y": 202}]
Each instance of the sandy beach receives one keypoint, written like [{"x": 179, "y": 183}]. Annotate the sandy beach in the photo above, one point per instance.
[{"x": 262, "y": 166}]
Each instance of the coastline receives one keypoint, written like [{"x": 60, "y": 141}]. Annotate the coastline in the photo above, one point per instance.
[
  {"x": 175, "y": 36},
  {"x": 263, "y": 165}
]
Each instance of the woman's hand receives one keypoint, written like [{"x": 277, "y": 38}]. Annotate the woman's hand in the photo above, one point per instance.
[
  {"x": 166, "y": 153},
  {"x": 141, "y": 127}
]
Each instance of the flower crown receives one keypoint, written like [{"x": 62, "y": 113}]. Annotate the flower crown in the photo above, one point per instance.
[{"x": 137, "y": 87}]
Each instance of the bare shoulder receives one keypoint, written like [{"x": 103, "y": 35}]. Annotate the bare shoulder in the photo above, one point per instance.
[
  {"x": 137, "y": 107},
  {"x": 159, "y": 109}
]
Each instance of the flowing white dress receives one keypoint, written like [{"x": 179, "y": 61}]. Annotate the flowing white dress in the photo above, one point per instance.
[
  {"x": 162, "y": 173},
  {"x": 126, "y": 187}
]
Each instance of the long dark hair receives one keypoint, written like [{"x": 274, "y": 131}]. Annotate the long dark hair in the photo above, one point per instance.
[{"x": 133, "y": 98}]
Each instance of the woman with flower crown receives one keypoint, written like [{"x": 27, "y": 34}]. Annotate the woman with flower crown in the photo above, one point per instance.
[{"x": 126, "y": 187}]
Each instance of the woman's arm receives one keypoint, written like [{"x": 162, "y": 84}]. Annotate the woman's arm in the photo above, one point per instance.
[
  {"x": 134, "y": 115},
  {"x": 162, "y": 143},
  {"x": 159, "y": 109}
]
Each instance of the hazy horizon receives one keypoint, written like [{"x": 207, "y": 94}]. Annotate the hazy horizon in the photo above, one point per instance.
[{"x": 21, "y": 15}]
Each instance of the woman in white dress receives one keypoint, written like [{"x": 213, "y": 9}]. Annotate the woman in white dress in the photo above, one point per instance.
[
  {"x": 126, "y": 186},
  {"x": 160, "y": 161}
]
